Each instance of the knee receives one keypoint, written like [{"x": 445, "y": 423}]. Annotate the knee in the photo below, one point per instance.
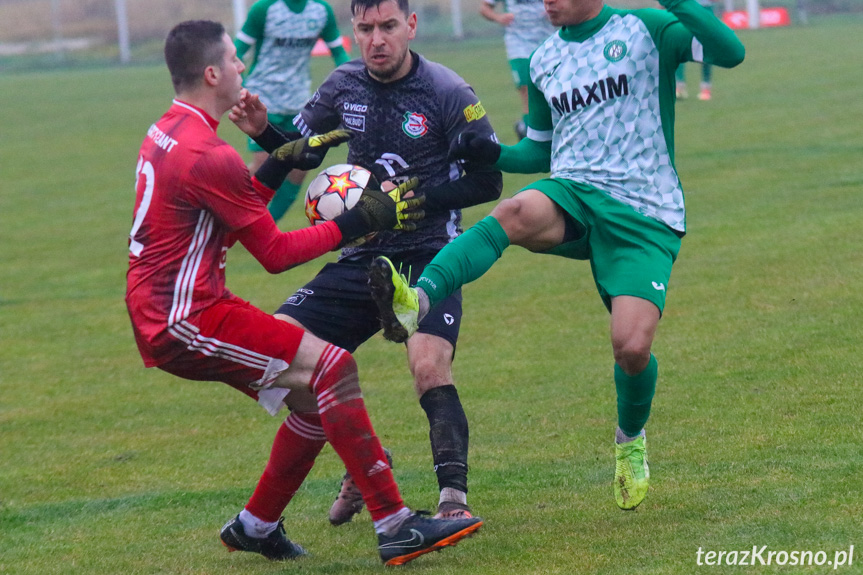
[
  {"x": 428, "y": 375},
  {"x": 336, "y": 372},
  {"x": 631, "y": 355},
  {"x": 513, "y": 218},
  {"x": 341, "y": 363},
  {"x": 531, "y": 220}
]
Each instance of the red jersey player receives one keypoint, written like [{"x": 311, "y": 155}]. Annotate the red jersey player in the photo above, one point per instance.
[{"x": 194, "y": 198}]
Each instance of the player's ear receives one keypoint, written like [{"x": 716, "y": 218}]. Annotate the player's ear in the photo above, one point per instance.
[
  {"x": 212, "y": 75},
  {"x": 412, "y": 26}
]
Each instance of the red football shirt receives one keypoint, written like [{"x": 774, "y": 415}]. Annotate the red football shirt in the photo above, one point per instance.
[{"x": 192, "y": 189}]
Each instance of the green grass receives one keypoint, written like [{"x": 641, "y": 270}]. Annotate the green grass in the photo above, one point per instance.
[{"x": 755, "y": 433}]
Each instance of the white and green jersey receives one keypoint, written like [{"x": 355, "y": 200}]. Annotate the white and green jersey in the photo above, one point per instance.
[
  {"x": 528, "y": 29},
  {"x": 603, "y": 93},
  {"x": 283, "y": 33}
]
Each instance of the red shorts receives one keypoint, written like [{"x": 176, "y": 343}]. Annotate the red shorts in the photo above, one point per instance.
[{"x": 234, "y": 342}]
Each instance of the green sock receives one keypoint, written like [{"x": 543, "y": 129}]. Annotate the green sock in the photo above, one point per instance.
[
  {"x": 634, "y": 396},
  {"x": 706, "y": 73},
  {"x": 463, "y": 260},
  {"x": 285, "y": 196}
]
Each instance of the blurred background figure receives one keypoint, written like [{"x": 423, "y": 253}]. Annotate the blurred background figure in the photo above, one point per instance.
[
  {"x": 526, "y": 26},
  {"x": 283, "y": 34},
  {"x": 704, "y": 89}
]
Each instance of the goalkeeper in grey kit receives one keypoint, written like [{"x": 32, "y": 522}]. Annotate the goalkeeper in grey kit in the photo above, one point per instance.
[{"x": 404, "y": 112}]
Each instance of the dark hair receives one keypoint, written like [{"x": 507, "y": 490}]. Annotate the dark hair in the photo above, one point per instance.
[
  {"x": 363, "y": 5},
  {"x": 191, "y": 46}
]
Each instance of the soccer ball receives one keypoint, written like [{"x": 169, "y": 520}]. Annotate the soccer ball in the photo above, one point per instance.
[{"x": 335, "y": 190}]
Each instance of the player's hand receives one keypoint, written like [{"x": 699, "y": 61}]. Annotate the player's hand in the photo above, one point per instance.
[
  {"x": 506, "y": 18},
  {"x": 390, "y": 210},
  {"x": 309, "y": 153},
  {"x": 408, "y": 199},
  {"x": 475, "y": 148},
  {"x": 378, "y": 210},
  {"x": 408, "y": 205},
  {"x": 249, "y": 114}
]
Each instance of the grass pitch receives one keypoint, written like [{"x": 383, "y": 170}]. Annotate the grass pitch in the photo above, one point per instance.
[{"x": 755, "y": 437}]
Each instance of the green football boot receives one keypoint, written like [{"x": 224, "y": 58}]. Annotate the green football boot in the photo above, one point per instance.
[
  {"x": 398, "y": 303},
  {"x": 631, "y": 473}
]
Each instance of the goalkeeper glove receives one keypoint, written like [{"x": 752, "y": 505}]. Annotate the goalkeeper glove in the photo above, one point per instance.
[
  {"x": 476, "y": 148},
  {"x": 308, "y": 153},
  {"x": 377, "y": 210},
  {"x": 408, "y": 210}
]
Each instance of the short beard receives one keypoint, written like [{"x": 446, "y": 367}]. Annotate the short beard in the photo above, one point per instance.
[{"x": 387, "y": 74}]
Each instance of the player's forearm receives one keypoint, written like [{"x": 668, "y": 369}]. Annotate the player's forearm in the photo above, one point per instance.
[
  {"x": 475, "y": 187},
  {"x": 526, "y": 157},
  {"x": 488, "y": 12},
  {"x": 721, "y": 45},
  {"x": 278, "y": 251},
  {"x": 269, "y": 177},
  {"x": 273, "y": 138}
]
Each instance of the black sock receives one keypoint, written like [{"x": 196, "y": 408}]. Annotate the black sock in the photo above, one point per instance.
[{"x": 448, "y": 433}]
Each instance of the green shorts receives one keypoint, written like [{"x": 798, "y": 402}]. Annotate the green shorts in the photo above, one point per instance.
[
  {"x": 285, "y": 122},
  {"x": 629, "y": 253},
  {"x": 520, "y": 71}
]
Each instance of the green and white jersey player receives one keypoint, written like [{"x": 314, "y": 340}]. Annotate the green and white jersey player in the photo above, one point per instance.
[
  {"x": 282, "y": 34},
  {"x": 526, "y": 26},
  {"x": 602, "y": 121}
]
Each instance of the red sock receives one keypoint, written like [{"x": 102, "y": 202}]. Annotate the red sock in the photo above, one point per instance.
[
  {"x": 336, "y": 384},
  {"x": 295, "y": 448}
]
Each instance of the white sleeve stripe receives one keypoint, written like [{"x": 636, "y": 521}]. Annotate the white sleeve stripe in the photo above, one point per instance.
[
  {"x": 335, "y": 43},
  {"x": 302, "y": 126},
  {"x": 243, "y": 37},
  {"x": 697, "y": 51},
  {"x": 539, "y": 136}
]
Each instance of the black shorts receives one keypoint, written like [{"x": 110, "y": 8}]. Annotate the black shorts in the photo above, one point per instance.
[{"x": 337, "y": 305}]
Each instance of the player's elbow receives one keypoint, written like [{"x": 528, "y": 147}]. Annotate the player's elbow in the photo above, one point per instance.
[
  {"x": 739, "y": 55},
  {"x": 273, "y": 269},
  {"x": 732, "y": 56},
  {"x": 488, "y": 183}
]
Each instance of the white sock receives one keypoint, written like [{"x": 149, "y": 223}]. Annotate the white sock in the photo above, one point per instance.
[
  {"x": 256, "y": 528},
  {"x": 454, "y": 495},
  {"x": 621, "y": 437},
  {"x": 392, "y": 522},
  {"x": 424, "y": 304}
]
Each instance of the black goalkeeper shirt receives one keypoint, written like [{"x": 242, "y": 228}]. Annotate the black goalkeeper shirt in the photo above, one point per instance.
[{"x": 406, "y": 128}]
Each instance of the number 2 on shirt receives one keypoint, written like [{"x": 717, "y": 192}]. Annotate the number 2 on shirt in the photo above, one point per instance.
[{"x": 145, "y": 168}]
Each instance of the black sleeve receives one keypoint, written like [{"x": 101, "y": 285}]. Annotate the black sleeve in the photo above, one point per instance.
[
  {"x": 273, "y": 172},
  {"x": 272, "y": 137},
  {"x": 477, "y": 186}
]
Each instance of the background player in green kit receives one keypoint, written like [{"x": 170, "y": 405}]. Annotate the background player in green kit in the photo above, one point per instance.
[
  {"x": 705, "y": 88},
  {"x": 283, "y": 33},
  {"x": 602, "y": 119},
  {"x": 526, "y": 27}
]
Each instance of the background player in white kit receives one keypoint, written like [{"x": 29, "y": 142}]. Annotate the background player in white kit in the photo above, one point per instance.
[
  {"x": 281, "y": 34},
  {"x": 526, "y": 26}
]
